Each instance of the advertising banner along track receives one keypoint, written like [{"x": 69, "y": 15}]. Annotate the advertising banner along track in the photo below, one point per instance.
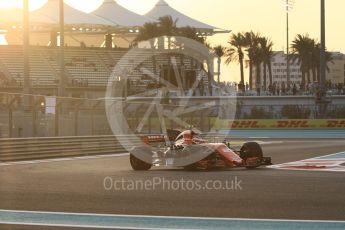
[{"x": 282, "y": 124}]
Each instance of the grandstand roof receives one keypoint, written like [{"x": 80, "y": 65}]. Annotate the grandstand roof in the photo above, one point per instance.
[
  {"x": 163, "y": 9},
  {"x": 109, "y": 16},
  {"x": 112, "y": 11},
  {"x": 73, "y": 17}
]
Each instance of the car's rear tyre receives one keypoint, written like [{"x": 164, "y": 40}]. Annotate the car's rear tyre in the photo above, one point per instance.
[
  {"x": 138, "y": 165},
  {"x": 251, "y": 150}
]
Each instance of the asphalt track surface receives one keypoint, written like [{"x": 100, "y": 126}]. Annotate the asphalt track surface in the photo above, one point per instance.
[{"x": 78, "y": 186}]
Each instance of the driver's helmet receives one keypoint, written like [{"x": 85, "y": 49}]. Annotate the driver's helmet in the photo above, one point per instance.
[{"x": 188, "y": 136}]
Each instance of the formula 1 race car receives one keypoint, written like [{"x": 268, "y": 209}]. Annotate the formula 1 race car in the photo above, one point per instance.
[{"x": 188, "y": 150}]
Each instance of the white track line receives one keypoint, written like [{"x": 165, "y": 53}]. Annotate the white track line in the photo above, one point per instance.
[
  {"x": 168, "y": 217},
  {"x": 83, "y": 226},
  {"x": 290, "y": 165}
]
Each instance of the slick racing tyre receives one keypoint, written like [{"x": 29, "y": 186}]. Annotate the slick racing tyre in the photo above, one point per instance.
[
  {"x": 138, "y": 165},
  {"x": 251, "y": 150}
]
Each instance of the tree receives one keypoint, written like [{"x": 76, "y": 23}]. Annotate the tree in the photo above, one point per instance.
[
  {"x": 307, "y": 51},
  {"x": 235, "y": 52},
  {"x": 252, "y": 48},
  {"x": 168, "y": 27},
  {"x": 257, "y": 59},
  {"x": 148, "y": 32},
  {"x": 302, "y": 51},
  {"x": 165, "y": 26},
  {"x": 191, "y": 33},
  {"x": 219, "y": 50},
  {"x": 267, "y": 55}
]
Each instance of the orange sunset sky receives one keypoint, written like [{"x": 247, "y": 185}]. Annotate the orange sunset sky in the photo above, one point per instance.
[{"x": 264, "y": 16}]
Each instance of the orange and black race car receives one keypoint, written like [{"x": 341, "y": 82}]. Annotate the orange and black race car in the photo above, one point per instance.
[{"x": 188, "y": 150}]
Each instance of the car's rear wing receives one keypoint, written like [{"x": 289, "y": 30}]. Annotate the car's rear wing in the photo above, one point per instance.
[
  {"x": 160, "y": 138},
  {"x": 151, "y": 139}
]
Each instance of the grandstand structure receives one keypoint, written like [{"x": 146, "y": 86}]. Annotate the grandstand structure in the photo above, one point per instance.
[
  {"x": 88, "y": 69},
  {"x": 94, "y": 44}
]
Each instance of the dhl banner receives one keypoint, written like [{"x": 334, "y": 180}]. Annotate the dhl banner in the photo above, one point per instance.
[{"x": 281, "y": 124}]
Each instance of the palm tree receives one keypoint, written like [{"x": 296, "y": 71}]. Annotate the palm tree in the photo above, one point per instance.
[
  {"x": 187, "y": 32},
  {"x": 255, "y": 54},
  {"x": 267, "y": 55},
  {"x": 316, "y": 61},
  {"x": 219, "y": 50},
  {"x": 168, "y": 27},
  {"x": 252, "y": 44},
  {"x": 148, "y": 32},
  {"x": 302, "y": 50},
  {"x": 192, "y": 33},
  {"x": 235, "y": 53}
]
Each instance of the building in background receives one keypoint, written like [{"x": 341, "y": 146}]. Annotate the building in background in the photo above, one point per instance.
[
  {"x": 335, "y": 70},
  {"x": 278, "y": 64},
  {"x": 336, "y": 73}
]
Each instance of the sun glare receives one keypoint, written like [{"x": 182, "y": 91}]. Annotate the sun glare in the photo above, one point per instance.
[
  {"x": 7, "y": 4},
  {"x": 3, "y": 40},
  {"x": 86, "y": 6},
  {"x": 34, "y": 4}
]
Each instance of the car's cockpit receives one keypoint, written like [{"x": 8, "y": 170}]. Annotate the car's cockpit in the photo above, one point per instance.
[{"x": 188, "y": 137}]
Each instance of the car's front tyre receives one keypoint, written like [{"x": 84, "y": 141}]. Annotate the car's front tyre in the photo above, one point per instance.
[{"x": 251, "y": 150}]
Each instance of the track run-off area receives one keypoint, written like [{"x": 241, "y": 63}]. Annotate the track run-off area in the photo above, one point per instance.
[{"x": 104, "y": 192}]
